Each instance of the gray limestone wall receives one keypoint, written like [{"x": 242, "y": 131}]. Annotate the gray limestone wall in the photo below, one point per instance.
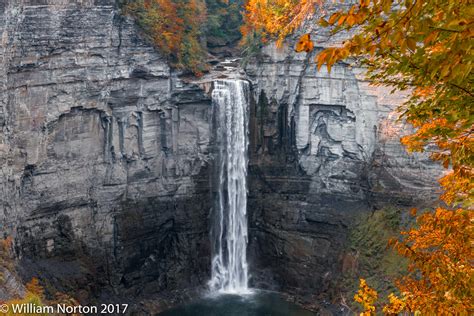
[
  {"x": 323, "y": 148},
  {"x": 103, "y": 151}
]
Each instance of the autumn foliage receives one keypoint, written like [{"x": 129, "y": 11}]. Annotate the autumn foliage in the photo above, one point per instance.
[
  {"x": 441, "y": 275},
  {"x": 425, "y": 48},
  {"x": 175, "y": 27},
  {"x": 366, "y": 296},
  {"x": 182, "y": 30},
  {"x": 223, "y": 22},
  {"x": 305, "y": 44},
  {"x": 275, "y": 18},
  {"x": 5, "y": 255},
  {"x": 35, "y": 295}
]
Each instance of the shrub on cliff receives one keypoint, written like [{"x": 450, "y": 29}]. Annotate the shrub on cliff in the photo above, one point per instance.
[
  {"x": 33, "y": 293},
  {"x": 35, "y": 298},
  {"x": 175, "y": 28},
  {"x": 376, "y": 263},
  {"x": 182, "y": 29},
  {"x": 6, "y": 262}
]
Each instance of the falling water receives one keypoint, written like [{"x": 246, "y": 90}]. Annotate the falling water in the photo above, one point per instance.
[{"x": 229, "y": 230}]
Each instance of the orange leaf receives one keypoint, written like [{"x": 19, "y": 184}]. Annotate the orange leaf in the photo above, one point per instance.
[
  {"x": 333, "y": 18},
  {"x": 304, "y": 44},
  {"x": 341, "y": 20}
]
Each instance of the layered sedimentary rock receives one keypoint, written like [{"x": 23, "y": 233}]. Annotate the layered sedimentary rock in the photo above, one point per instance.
[
  {"x": 103, "y": 151},
  {"x": 105, "y": 156},
  {"x": 324, "y": 147}
]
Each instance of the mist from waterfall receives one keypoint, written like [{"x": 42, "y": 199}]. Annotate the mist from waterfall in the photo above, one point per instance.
[{"x": 229, "y": 228}]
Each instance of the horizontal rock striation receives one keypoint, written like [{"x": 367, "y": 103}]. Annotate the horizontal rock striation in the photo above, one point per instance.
[
  {"x": 324, "y": 147},
  {"x": 103, "y": 151},
  {"x": 106, "y": 157}
]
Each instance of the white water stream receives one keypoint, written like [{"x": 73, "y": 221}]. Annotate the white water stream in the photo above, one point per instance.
[{"x": 229, "y": 231}]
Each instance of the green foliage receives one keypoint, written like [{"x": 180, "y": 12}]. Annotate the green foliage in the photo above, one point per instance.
[
  {"x": 251, "y": 46},
  {"x": 377, "y": 263},
  {"x": 29, "y": 299},
  {"x": 223, "y": 22}
]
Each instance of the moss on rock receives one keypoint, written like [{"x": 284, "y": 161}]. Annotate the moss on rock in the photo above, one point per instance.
[{"x": 374, "y": 260}]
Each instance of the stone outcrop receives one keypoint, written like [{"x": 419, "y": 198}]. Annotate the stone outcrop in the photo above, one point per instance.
[
  {"x": 103, "y": 152},
  {"x": 324, "y": 147}
]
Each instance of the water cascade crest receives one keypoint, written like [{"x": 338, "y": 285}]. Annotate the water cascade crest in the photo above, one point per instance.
[{"x": 229, "y": 228}]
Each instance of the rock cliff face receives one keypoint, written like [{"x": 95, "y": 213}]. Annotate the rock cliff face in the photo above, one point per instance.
[
  {"x": 324, "y": 147},
  {"x": 105, "y": 157},
  {"x": 103, "y": 151}
]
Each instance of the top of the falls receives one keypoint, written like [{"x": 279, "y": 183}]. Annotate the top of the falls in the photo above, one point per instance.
[{"x": 229, "y": 69}]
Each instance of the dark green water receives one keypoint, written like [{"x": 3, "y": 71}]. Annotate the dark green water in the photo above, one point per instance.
[{"x": 257, "y": 304}]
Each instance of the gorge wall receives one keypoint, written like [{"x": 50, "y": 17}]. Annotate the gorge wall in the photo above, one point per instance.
[
  {"x": 103, "y": 152},
  {"x": 105, "y": 157},
  {"x": 324, "y": 149}
]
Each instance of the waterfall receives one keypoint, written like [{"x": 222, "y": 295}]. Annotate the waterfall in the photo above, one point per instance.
[{"x": 229, "y": 228}]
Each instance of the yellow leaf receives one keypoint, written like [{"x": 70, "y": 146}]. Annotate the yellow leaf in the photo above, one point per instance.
[
  {"x": 411, "y": 43},
  {"x": 445, "y": 70},
  {"x": 372, "y": 50},
  {"x": 304, "y": 44},
  {"x": 387, "y": 5},
  {"x": 350, "y": 20},
  {"x": 351, "y": 11},
  {"x": 323, "y": 22}
]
